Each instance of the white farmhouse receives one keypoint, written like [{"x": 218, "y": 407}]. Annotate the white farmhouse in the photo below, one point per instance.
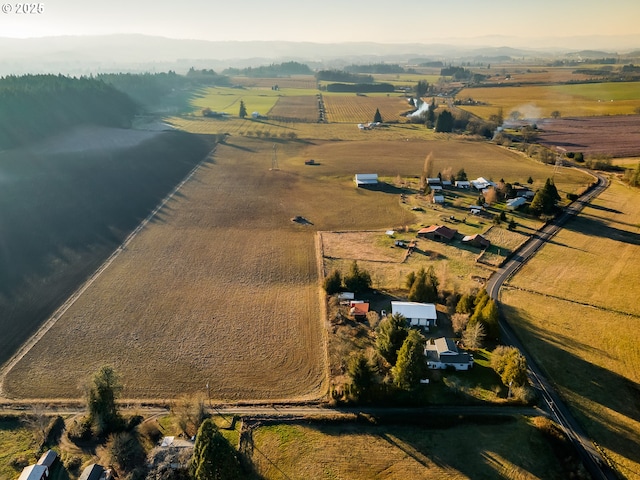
[
  {"x": 442, "y": 353},
  {"x": 417, "y": 314}
]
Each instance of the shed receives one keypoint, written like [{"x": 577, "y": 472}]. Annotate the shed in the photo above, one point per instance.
[
  {"x": 34, "y": 472},
  {"x": 481, "y": 183},
  {"x": 442, "y": 353},
  {"x": 446, "y": 183},
  {"x": 436, "y": 188},
  {"x": 417, "y": 314},
  {"x": 359, "y": 309},
  {"x": 363, "y": 179},
  {"x": 438, "y": 232},
  {"x": 433, "y": 181},
  {"x": 477, "y": 240},
  {"x": 93, "y": 472},
  {"x": 48, "y": 459},
  {"x": 346, "y": 296},
  {"x": 438, "y": 199},
  {"x": 514, "y": 203},
  {"x": 463, "y": 184}
]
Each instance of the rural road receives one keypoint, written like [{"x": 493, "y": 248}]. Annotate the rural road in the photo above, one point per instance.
[{"x": 590, "y": 456}]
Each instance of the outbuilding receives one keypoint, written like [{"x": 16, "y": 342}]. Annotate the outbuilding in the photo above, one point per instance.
[
  {"x": 477, "y": 240},
  {"x": 515, "y": 203},
  {"x": 417, "y": 314},
  {"x": 463, "y": 184},
  {"x": 34, "y": 472},
  {"x": 437, "y": 232},
  {"x": 366, "y": 179}
]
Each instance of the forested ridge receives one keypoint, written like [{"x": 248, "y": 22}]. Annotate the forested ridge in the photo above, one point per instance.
[{"x": 35, "y": 106}]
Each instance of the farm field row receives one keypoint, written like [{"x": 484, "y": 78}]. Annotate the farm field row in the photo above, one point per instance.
[
  {"x": 575, "y": 307},
  {"x": 361, "y": 109},
  {"x": 535, "y": 102}
]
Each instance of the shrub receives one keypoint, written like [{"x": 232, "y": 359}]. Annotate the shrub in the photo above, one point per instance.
[
  {"x": 80, "y": 430},
  {"x": 333, "y": 282}
]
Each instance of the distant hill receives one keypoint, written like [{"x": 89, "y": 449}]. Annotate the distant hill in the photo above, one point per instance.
[{"x": 141, "y": 53}]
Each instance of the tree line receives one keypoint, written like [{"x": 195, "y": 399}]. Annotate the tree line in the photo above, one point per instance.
[
  {"x": 273, "y": 70},
  {"x": 35, "y": 106}
]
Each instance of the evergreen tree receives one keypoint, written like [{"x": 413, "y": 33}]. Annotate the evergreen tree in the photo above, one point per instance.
[
  {"x": 421, "y": 88},
  {"x": 411, "y": 365},
  {"x": 424, "y": 287},
  {"x": 377, "y": 118},
  {"x": 465, "y": 304},
  {"x": 362, "y": 375},
  {"x": 357, "y": 280},
  {"x": 243, "y": 110},
  {"x": 444, "y": 123},
  {"x": 213, "y": 457},
  {"x": 391, "y": 333},
  {"x": 102, "y": 394},
  {"x": 545, "y": 200},
  {"x": 333, "y": 282}
]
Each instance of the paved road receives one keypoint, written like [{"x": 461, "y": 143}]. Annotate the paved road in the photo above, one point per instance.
[{"x": 591, "y": 458}]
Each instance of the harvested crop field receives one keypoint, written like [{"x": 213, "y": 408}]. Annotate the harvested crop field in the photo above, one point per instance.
[
  {"x": 221, "y": 288},
  {"x": 361, "y": 109},
  {"x": 300, "y": 108},
  {"x": 618, "y": 136},
  {"x": 67, "y": 203}
]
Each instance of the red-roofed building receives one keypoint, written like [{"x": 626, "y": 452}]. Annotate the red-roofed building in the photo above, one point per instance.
[
  {"x": 438, "y": 232},
  {"x": 359, "y": 309},
  {"x": 477, "y": 240}
]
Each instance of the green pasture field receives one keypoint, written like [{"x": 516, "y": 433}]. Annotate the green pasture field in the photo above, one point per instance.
[
  {"x": 570, "y": 100},
  {"x": 460, "y": 451},
  {"x": 575, "y": 307}
]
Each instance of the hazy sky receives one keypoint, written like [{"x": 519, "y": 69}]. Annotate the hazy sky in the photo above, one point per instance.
[{"x": 326, "y": 21}]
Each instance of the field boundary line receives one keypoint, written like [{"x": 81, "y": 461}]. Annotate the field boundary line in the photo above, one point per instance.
[
  {"x": 68, "y": 303},
  {"x": 324, "y": 315}
]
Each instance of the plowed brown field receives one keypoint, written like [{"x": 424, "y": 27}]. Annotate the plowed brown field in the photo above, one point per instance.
[{"x": 618, "y": 136}]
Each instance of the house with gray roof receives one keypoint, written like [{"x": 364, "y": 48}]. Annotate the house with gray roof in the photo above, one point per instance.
[{"x": 443, "y": 353}]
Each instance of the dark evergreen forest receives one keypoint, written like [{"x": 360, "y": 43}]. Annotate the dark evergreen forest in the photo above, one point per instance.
[{"x": 36, "y": 106}]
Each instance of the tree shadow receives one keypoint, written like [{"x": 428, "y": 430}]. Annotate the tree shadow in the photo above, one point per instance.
[
  {"x": 591, "y": 226},
  {"x": 583, "y": 379}
]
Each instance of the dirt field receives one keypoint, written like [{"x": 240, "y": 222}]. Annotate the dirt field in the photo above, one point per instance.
[
  {"x": 301, "y": 108},
  {"x": 67, "y": 203},
  {"x": 617, "y": 136},
  {"x": 221, "y": 289}
]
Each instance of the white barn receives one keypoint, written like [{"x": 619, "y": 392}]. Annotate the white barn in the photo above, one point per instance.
[
  {"x": 417, "y": 314},
  {"x": 366, "y": 179}
]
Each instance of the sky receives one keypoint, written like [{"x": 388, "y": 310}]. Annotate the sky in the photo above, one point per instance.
[{"x": 326, "y": 21}]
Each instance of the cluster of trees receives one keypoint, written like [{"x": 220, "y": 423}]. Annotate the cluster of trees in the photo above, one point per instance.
[
  {"x": 460, "y": 74},
  {"x": 269, "y": 71},
  {"x": 545, "y": 200},
  {"x": 35, "y": 106},
  {"x": 423, "y": 286},
  {"x": 360, "y": 87},
  {"x": 511, "y": 365},
  {"x": 342, "y": 76},
  {"x": 375, "y": 68},
  {"x": 356, "y": 280},
  {"x": 476, "y": 317}
]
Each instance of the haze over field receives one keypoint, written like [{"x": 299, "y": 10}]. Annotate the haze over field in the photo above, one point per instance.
[{"x": 333, "y": 20}]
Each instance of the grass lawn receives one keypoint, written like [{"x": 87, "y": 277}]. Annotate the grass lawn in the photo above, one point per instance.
[{"x": 16, "y": 443}]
